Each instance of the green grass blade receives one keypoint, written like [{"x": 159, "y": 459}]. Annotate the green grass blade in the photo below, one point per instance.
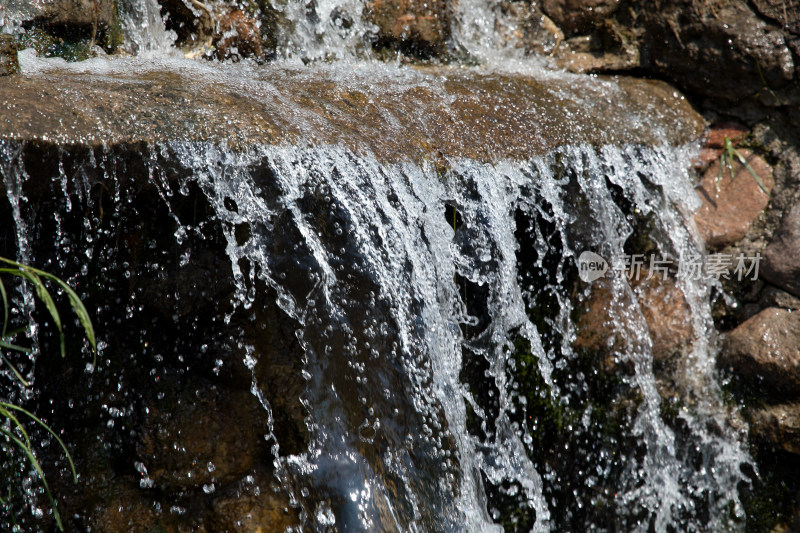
[
  {"x": 5, "y": 309},
  {"x": 49, "y": 429},
  {"x": 28, "y": 452},
  {"x": 746, "y": 165},
  {"x": 16, "y": 372},
  {"x": 74, "y": 299},
  {"x": 9, "y": 415},
  {"x": 77, "y": 307}
]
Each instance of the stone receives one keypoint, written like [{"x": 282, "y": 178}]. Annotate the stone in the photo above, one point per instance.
[
  {"x": 781, "y": 265},
  {"x": 779, "y": 425},
  {"x": 193, "y": 22},
  {"x": 71, "y": 15},
  {"x": 611, "y": 47},
  {"x": 714, "y": 142},
  {"x": 529, "y": 29},
  {"x": 765, "y": 349},
  {"x": 252, "y": 511},
  {"x": 662, "y": 305},
  {"x": 579, "y": 16},
  {"x": 784, "y": 13},
  {"x": 731, "y": 204},
  {"x": 395, "y": 121},
  {"x": 720, "y": 49},
  {"x": 9, "y": 64},
  {"x": 418, "y": 27},
  {"x": 198, "y": 435},
  {"x": 238, "y": 37}
]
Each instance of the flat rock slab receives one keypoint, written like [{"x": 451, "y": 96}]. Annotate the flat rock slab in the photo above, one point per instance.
[{"x": 395, "y": 113}]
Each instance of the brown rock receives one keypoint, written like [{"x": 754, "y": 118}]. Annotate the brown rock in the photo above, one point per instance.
[
  {"x": 730, "y": 205},
  {"x": 419, "y": 27},
  {"x": 766, "y": 348},
  {"x": 717, "y": 134},
  {"x": 664, "y": 309},
  {"x": 201, "y": 436},
  {"x": 719, "y": 49},
  {"x": 529, "y": 29},
  {"x": 86, "y": 15},
  {"x": 238, "y": 37},
  {"x": 579, "y": 16},
  {"x": 785, "y": 13},
  {"x": 778, "y": 425},
  {"x": 251, "y": 511},
  {"x": 9, "y": 64},
  {"x": 782, "y": 256},
  {"x": 193, "y": 22},
  {"x": 610, "y": 48},
  {"x": 394, "y": 122},
  {"x": 714, "y": 142}
]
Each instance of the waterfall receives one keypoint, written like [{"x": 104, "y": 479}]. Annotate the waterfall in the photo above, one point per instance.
[
  {"x": 143, "y": 26},
  {"x": 435, "y": 312}
]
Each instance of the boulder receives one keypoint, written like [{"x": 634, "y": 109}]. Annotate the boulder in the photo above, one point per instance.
[
  {"x": 714, "y": 142},
  {"x": 717, "y": 49},
  {"x": 781, "y": 266},
  {"x": 201, "y": 436},
  {"x": 418, "y": 27},
  {"x": 785, "y": 14},
  {"x": 9, "y": 63},
  {"x": 779, "y": 425},
  {"x": 732, "y": 203},
  {"x": 238, "y": 37},
  {"x": 663, "y": 307},
  {"x": 395, "y": 121},
  {"x": 765, "y": 350},
  {"x": 579, "y": 16},
  {"x": 529, "y": 29},
  {"x": 76, "y": 13}
]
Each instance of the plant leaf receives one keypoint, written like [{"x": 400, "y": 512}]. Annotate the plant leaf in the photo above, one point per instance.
[
  {"x": 27, "y": 450},
  {"x": 49, "y": 430},
  {"x": 16, "y": 372}
]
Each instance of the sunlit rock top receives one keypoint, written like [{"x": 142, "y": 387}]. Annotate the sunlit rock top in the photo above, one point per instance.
[{"x": 396, "y": 113}]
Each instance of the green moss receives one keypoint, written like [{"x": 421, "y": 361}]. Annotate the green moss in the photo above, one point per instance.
[
  {"x": 47, "y": 45},
  {"x": 114, "y": 37}
]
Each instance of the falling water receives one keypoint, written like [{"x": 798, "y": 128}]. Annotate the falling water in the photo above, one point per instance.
[
  {"x": 143, "y": 27},
  {"x": 423, "y": 298}
]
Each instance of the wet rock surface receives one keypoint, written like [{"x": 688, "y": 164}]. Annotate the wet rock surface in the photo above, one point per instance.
[
  {"x": 781, "y": 265},
  {"x": 765, "y": 350},
  {"x": 779, "y": 425},
  {"x": 9, "y": 64},
  {"x": 393, "y": 121},
  {"x": 732, "y": 198},
  {"x": 716, "y": 48},
  {"x": 420, "y": 28},
  {"x": 663, "y": 307}
]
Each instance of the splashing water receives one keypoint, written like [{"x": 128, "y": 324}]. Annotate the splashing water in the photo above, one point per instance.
[
  {"x": 394, "y": 305},
  {"x": 143, "y": 27}
]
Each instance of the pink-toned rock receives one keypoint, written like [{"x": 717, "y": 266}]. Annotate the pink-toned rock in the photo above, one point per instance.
[
  {"x": 766, "y": 349},
  {"x": 731, "y": 204},
  {"x": 781, "y": 258},
  {"x": 664, "y": 309},
  {"x": 714, "y": 141}
]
